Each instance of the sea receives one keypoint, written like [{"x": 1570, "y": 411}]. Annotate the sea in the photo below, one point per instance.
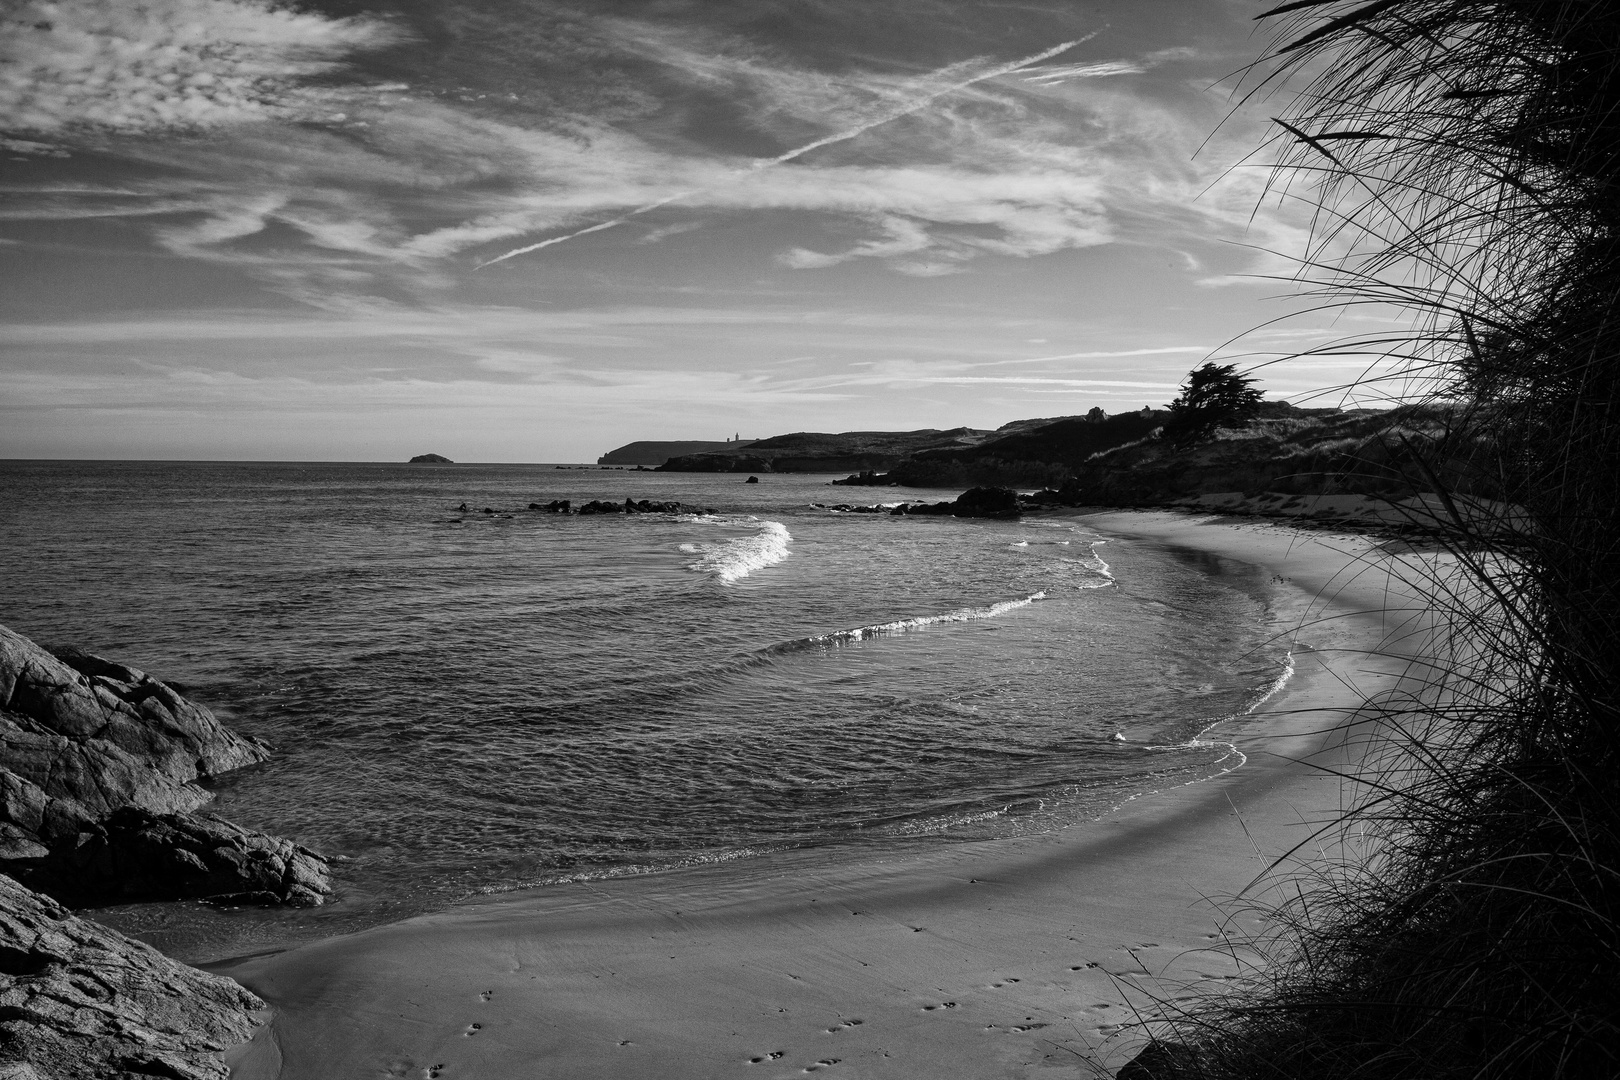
[{"x": 467, "y": 697}]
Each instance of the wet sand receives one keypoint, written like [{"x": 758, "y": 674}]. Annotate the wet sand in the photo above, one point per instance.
[{"x": 1027, "y": 957}]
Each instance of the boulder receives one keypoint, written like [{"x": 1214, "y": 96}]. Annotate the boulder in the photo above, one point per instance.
[
  {"x": 81, "y": 1002},
  {"x": 987, "y": 502},
  {"x": 431, "y": 459},
  {"x": 83, "y": 697},
  {"x": 99, "y": 765},
  {"x": 135, "y": 855}
]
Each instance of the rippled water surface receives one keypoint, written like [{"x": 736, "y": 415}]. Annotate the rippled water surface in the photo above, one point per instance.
[{"x": 471, "y": 702}]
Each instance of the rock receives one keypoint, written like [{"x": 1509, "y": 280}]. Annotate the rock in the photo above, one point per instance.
[
  {"x": 81, "y": 1002},
  {"x": 752, "y": 480},
  {"x": 647, "y": 506},
  {"x": 987, "y": 502},
  {"x": 556, "y": 506},
  {"x": 135, "y": 854},
  {"x": 119, "y": 717},
  {"x": 869, "y": 478},
  {"x": 597, "y": 506},
  {"x": 98, "y": 771},
  {"x": 431, "y": 459}
]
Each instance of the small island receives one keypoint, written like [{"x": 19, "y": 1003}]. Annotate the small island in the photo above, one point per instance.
[{"x": 431, "y": 459}]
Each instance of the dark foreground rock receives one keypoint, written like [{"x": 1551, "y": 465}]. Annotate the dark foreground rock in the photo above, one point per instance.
[
  {"x": 431, "y": 459},
  {"x": 99, "y": 771},
  {"x": 81, "y": 1002},
  {"x": 138, "y": 855}
]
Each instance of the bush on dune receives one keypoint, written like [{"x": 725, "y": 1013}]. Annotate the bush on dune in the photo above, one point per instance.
[{"x": 1464, "y": 161}]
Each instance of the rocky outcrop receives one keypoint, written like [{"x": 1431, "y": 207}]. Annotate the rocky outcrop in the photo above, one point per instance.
[
  {"x": 99, "y": 765},
  {"x": 81, "y": 1002},
  {"x": 431, "y": 459},
  {"x": 975, "y": 502}
]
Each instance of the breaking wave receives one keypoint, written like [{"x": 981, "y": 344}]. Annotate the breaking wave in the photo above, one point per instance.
[
  {"x": 736, "y": 558},
  {"x": 899, "y": 626}
]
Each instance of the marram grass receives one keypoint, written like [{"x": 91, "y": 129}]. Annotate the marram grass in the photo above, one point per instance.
[{"x": 1462, "y": 160}]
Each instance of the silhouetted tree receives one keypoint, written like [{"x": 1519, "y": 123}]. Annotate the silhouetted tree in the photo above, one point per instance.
[{"x": 1214, "y": 396}]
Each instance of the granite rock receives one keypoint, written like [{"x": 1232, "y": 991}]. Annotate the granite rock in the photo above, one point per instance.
[
  {"x": 99, "y": 765},
  {"x": 81, "y": 1002}
]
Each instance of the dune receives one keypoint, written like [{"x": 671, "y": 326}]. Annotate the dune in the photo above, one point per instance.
[{"x": 1038, "y": 956}]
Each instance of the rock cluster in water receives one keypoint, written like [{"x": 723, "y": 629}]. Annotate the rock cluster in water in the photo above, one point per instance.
[
  {"x": 975, "y": 502},
  {"x": 629, "y": 506}
]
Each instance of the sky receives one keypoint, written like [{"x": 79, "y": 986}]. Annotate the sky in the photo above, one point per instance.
[{"x": 534, "y": 230}]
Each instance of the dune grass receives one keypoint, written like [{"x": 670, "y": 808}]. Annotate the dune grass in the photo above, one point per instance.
[{"x": 1463, "y": 162}]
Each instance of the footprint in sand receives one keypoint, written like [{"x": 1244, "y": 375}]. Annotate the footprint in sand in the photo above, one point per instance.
[
  {"x": 1027, "y": 1027},
  {"x": 472, "y": 1029},
  {"x": 772, "y": 1056},
  {"x": 944, "y": 1005},
  {"x": 822, "y": 1064},
  {"x": 486, "y": 995},
  {"x": 432, "y": 1071}
]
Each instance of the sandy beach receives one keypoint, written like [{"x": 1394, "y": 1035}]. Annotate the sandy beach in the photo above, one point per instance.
[{"x": 1026, "y": 957}]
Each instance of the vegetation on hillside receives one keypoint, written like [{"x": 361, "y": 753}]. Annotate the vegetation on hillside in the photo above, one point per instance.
[
  {"x": 1463, "y": 157},
  {"x": 1214, "y": 396}
]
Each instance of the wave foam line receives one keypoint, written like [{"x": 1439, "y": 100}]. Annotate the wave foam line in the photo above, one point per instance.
[
  {"x": 1102, "y": 567},
  {"x": 1199, "y": 742},
  {"x": 737, "y": 558},
  {"x": 901, "y": 626}
]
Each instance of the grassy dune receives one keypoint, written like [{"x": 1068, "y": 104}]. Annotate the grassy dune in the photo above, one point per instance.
[{"x": 1463, "y": 158}]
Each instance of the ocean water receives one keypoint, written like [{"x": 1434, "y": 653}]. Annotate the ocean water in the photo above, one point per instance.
[{"x": 466, "y": 703}]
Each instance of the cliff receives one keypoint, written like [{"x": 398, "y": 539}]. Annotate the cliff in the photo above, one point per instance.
[
  {"x": 654, "y": 454},
  {"x": 811, "y": 451}
]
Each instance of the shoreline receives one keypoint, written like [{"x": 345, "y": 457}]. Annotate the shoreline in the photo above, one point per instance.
[{"x": 1008, "y": 957}]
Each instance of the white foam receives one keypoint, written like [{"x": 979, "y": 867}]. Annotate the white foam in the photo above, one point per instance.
[
  {"x": 740, "y": 556},
  {"x": 900, "y": 626}
]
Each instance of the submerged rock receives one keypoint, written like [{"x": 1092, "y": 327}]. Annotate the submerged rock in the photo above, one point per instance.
[{"x": 81, "y": 1002}]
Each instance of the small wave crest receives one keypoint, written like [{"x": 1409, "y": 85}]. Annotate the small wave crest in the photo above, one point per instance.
[
  {"x": 740, "y": 556},
  {"x": 900, "y": 626}
]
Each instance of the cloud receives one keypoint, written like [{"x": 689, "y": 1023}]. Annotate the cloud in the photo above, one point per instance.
[
  {"x": 921, "y": 172},
  {"x": 121, "y": 67},
  {"x": 1049, "y": 74}
]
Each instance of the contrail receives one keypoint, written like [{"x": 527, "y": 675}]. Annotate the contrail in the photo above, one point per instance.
[{"x": 781, "y": 159}]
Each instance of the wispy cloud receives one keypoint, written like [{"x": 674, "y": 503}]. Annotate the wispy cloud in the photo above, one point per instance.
[
  {"x": 920, "y": 100},
  {"x": 112, "y": 66}
]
